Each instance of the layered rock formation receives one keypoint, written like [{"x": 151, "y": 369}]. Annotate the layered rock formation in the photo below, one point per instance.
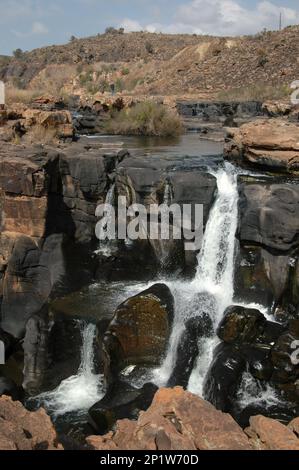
[
  {"x": 36, "y": 125},
  {"x": 48, "y": 201},
  {"x": 47, "y": 197},
  {"x": 267, "y": 144}
]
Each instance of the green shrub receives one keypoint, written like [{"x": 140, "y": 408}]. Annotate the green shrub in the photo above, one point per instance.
[
  {"x": 147, "y": 118},
  {"x": 103, "y": 86},
  {"x": 119, "y": 85}
]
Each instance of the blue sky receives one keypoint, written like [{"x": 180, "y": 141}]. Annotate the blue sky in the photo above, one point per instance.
[{"x": 34, "y": 23}]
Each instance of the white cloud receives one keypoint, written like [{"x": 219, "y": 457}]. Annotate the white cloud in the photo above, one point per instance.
[
  {"x": 130, "y": 25},
  {"x": 221, "y": 17},
  {"x": 39, "y": 28}
]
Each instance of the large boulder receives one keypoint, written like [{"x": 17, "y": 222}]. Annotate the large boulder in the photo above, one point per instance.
[
  {"x": 271, "y": 144},
  {"x": 269, "y": 215},
  {"x": 241, "y": 325},
  {"x": 262, "y": 277},
  {"x": 224, "y": 377},
  {"x": 268, "y": 434},
  {"x": 284, "y": 358},
  {"x": 140, "y": 329},
  {"x": 9, "y": 388},
  {"x": 189, "y": 349},
  {"x": 120, "y": 402},
  {"x": 176, "y": 420}
]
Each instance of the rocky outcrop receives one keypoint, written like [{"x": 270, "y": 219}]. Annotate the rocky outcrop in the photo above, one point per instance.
[
  {"x": 219, "y": 111},
  {"x": 48, "y": 200},
  {"x": 36, "y": 124},
  {"x": 268, "y": 234},
  {"x": 278, "y": 108},
  {"x": 24, "y": 430},
  {"x": 258, "y": 347},
  {"x": 155, "y": 180},
  {"x": 269, "y": 214},
  {"x": 267, "y": 144},
  {"x": 176, "y": 420},
  {"x": 268, "y": 434}
]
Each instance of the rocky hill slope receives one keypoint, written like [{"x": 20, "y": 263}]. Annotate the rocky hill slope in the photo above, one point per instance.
[{"x": 145, "y": 63}]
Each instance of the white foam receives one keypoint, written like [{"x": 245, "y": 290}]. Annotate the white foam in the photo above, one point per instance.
[{"x": 79, "y": 392}]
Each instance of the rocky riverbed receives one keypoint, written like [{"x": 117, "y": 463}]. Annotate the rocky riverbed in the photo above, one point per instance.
[{"x": 91, "y": 331}]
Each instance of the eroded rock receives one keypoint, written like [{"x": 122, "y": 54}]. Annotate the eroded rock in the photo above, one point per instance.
[
  {"x": 271, "y": 144},
  {"x": 24, "y": 430},
  {"x": 140, "y": 329},
  {"x": 268, "y": 434}
]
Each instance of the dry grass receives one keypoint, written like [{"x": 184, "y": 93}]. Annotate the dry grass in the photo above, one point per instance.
[
  {"x": 15, "y": 95},
  {"x": 147, "y": 118},
  {"x": 42, "y": 135},
  {"x": 53, "y": 79},
  {"x": 259, "y": 92}
]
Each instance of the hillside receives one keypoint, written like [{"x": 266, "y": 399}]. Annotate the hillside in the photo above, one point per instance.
[{"x": 159, "y": 64}]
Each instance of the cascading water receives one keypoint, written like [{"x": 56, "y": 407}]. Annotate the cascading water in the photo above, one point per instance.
[
  {"x": 252, "y": 393},
  {"x": 79, "y": 392},
  {"x": 107, "y": 247},
  {"x": 214, "y": 279}
]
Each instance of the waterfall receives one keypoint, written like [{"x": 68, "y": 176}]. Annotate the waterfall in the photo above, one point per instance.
[
  {"x": 212, "y": 289},
  {"x": 168, "y": 194},
  {"x": 79, "y": 392},
  {"x": 107, "y": 247},
  {"x": 215, "y": 271}
]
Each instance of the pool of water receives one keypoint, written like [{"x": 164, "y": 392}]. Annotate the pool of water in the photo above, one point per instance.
[{"x": 185, "y": 145}]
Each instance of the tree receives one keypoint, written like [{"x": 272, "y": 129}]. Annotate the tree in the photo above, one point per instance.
[
  {"x": 18, "y": 53},
  {"x": 112, "y": 30},
  {"x": 149, "y": 47}
]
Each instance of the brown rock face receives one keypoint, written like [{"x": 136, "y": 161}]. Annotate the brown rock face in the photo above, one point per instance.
[
  {"x": 294, "y": 426},
  {"x": 141, "y": 327},
  {"x": 46, "y": 197},
  {"x": 60, "y": 121},
  {"x": 176, "y": 420},
  {"x": 24, "y": 430},
  {"x": 268, "y": 434},
  {"x": 272, "y": 143}
]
